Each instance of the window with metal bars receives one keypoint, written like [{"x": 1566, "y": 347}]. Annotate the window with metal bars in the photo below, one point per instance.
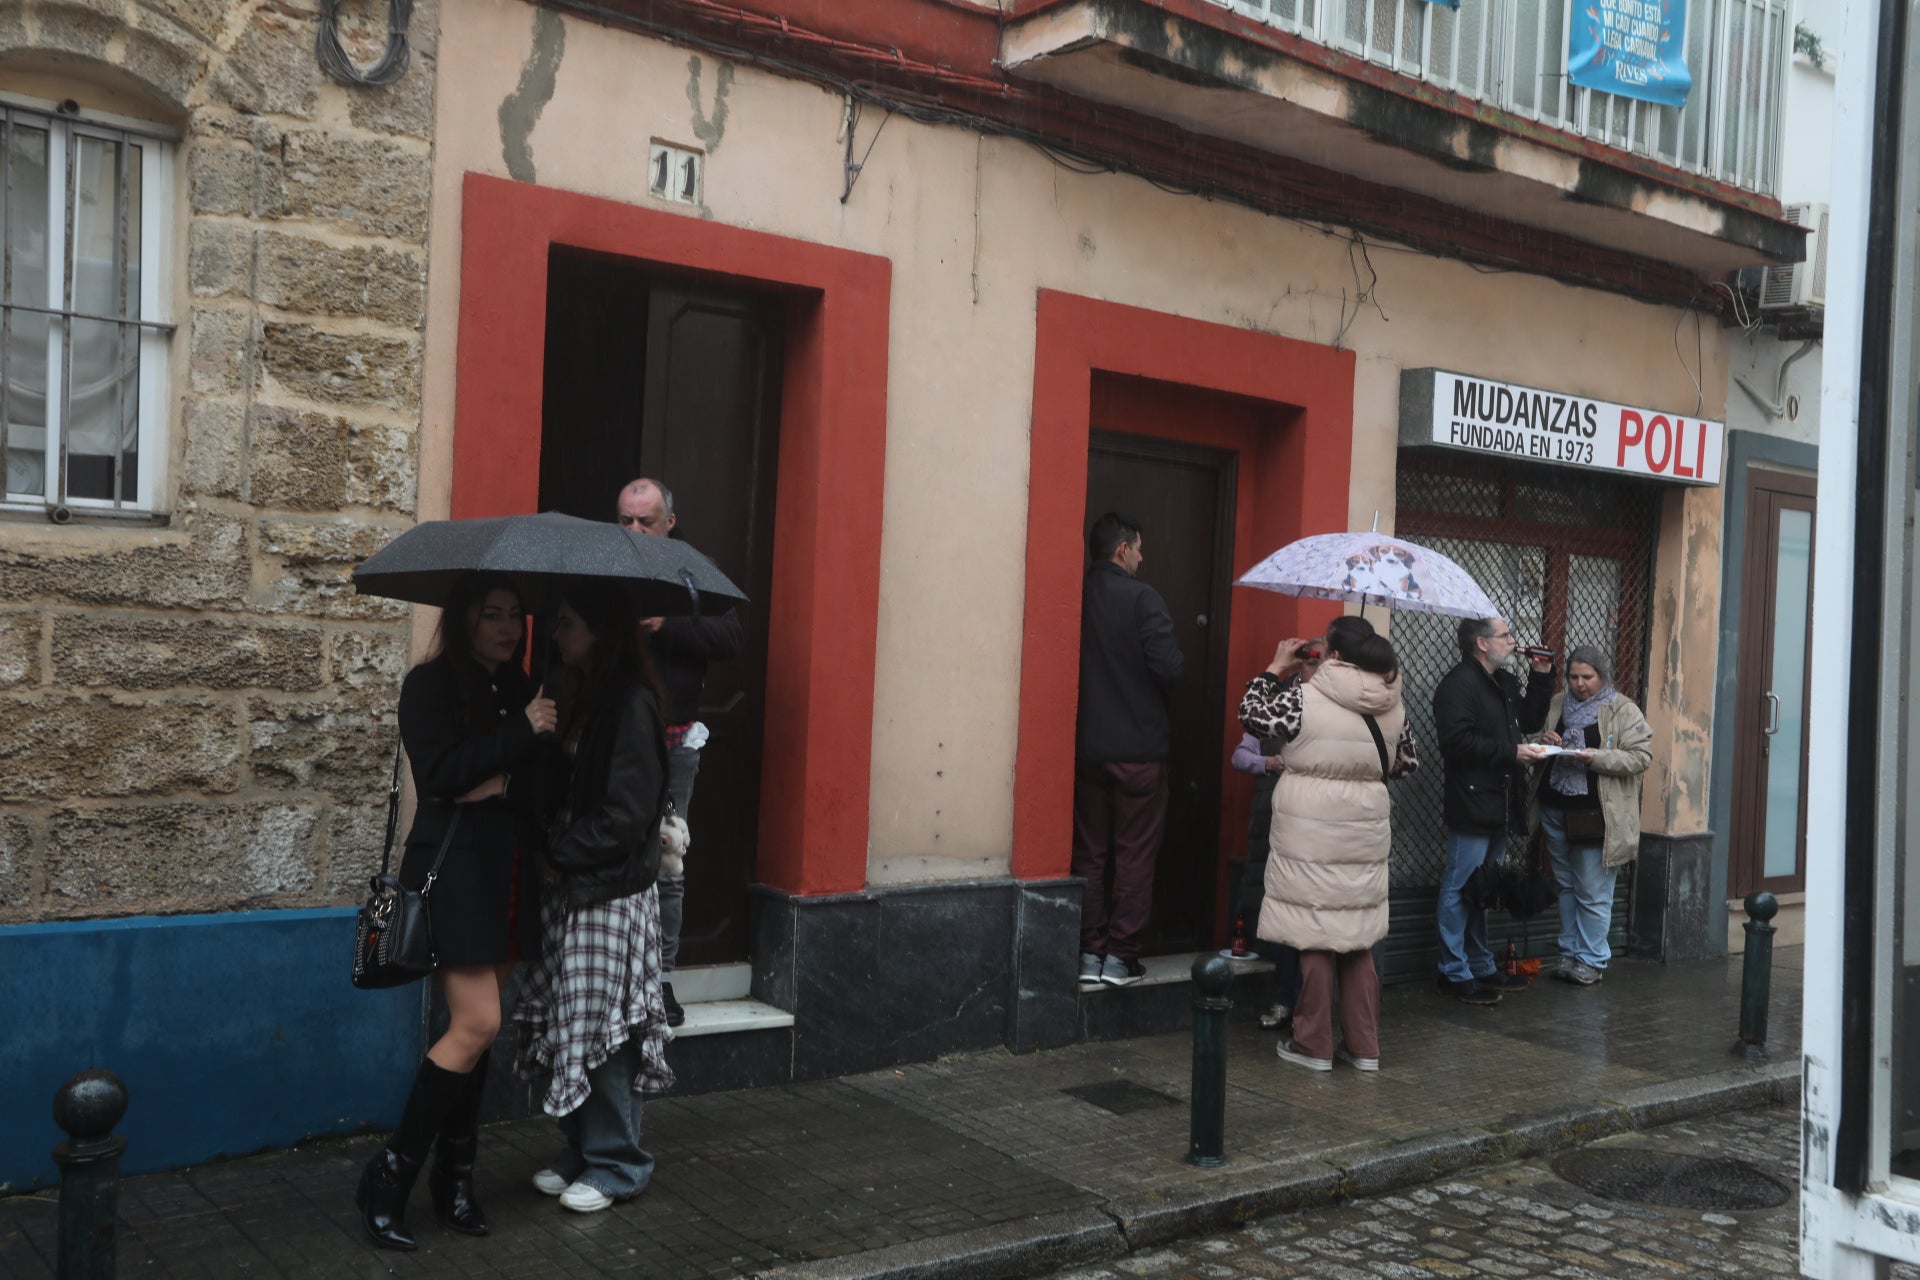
[
  {"x": 1566, "y": 555},
  {"x": 83, "y": 340}
]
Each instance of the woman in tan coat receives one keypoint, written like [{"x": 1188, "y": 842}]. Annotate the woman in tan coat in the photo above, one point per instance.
[
  {"x": 1588, "y": 804},
  {"x": 1345, "y": 733}
]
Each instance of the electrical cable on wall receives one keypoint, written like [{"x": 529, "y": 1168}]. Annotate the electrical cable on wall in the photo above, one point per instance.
[
  {"x": 332, "y": 55},
  {"x": 1496, "y": 256},
  {"x": 851, "y": 124}
]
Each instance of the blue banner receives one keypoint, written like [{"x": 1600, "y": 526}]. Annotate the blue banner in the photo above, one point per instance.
[{"x": 1634, "y": 48}]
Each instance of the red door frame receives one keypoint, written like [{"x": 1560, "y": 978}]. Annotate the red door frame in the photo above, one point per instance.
[
  {"x": 824, "y": 612},
  {"x": 1293, "y": 482}
]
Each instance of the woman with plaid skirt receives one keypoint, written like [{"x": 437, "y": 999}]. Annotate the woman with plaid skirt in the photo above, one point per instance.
[{"x": 591, "y": 1017}]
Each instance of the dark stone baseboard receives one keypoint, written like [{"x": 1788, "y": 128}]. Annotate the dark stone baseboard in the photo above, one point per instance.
[
  {"x": 892, "y": 976},
  {"x": 909, "y": 974},
  {"x": 733, "y": 1060},
  {"x": 1672, "y": 889},
  {"x": 902, "y": 975},
  {"x": 1164, "y": 1007}
]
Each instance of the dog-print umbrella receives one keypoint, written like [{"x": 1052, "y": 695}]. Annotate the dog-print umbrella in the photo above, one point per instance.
[{"x": 1371, "y": 568}]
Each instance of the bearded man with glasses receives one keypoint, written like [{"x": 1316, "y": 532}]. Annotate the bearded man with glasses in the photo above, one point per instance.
[{"x": 1481, "y": 721}]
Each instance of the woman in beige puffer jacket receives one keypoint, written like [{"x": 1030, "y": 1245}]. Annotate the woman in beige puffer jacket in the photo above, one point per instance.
[{"x": 1326, "y": 889}]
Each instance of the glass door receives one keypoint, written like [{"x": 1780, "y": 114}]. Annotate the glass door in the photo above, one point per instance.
[{"x": 1769, "y": 804}]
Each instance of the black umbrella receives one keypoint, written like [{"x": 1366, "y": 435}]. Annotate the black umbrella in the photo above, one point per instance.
[{"x": 665, "y": 577}]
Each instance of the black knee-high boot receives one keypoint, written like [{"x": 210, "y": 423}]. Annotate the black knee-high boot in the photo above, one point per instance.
[
  {"x": 451, "y": 1180},
  {"x": 390, "y": 1175}
]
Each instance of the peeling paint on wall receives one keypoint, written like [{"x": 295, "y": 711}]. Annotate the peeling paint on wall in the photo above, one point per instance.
[
  {"x": 1685, "y": 643},
  {"x": 709, "y": 128},
  {"x": 520, "y": 110}
]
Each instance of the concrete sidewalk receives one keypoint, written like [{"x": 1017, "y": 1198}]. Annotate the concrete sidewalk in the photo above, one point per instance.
[{"x": 994, "y": 1164}]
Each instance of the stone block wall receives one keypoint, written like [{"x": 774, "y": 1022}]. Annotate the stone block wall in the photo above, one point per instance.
[{"x": 196, "y": 712}]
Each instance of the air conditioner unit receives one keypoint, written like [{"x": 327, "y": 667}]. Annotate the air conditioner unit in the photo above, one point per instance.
[{"x": 1800, "y": 286}]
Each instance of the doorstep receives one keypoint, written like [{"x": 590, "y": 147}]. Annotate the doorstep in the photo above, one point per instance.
[
  {"x": 725, "y": 1017},
  {"x": 729, "y": 1040},
  {"x": 716, "y": 999},
  {"x": 1162, "y": 1001},
  {"x": 1168, "y": 970}
]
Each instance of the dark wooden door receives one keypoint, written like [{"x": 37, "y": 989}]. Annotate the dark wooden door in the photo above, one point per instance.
[
  {"x": 710, "y": 432},
  {"x": 591, "y": 401},
  {"x": 655, "y": 375},
  {"x": 1768, "y": 840},
  {"x": 1183, "y": 497}
]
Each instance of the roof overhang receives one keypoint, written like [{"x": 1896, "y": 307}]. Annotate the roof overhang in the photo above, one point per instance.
[{"x": 1194, "y": 70}]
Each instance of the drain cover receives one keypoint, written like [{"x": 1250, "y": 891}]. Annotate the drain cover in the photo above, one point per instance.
[
  {"x": 1671, "y": 1181},
  {"x": 1121, "y": 1096}
]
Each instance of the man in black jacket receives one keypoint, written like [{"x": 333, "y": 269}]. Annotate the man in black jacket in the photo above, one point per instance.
[
  {"x": 681, "y": 649},
  {"x": 1128, "y": 658},
  {"x": 1481, "y": 719}
]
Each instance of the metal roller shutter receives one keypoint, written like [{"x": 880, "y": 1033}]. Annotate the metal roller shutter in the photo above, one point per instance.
[{"x": 1568, "y": 555}]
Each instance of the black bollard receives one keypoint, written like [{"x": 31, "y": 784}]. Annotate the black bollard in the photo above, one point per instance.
[
  {"x": 87, "y": 1107},
  {"x": 1756, "y": 977},
  {"x": 1211, "y": 978}
]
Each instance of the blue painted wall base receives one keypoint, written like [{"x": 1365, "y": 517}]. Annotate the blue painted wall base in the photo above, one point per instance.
[{"x": 233, "y": 1032}]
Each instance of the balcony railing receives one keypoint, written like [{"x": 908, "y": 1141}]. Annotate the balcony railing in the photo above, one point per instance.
[{"x": 1512, "y": 54}]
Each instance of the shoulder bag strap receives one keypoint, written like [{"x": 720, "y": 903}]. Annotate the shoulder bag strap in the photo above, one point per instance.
[
  {"x": 393, "y": 811},
  {"x": 446, "y": 842},
  {"x": 1379, "y": 744},
  {"x": 393, "y": 823}
]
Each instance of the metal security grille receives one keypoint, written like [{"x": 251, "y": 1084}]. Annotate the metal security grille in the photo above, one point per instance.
[{"x": 1566, "y": 555}]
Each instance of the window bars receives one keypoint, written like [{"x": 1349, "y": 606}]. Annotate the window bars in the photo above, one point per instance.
[{"x": 80, "y": 354}]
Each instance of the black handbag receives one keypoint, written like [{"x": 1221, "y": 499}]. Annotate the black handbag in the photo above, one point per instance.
[
  {"x": 393, "y": 938},
  {"x": 1522, "y": 887},
  {"x": 1529, "y": 888},
  {"x": 1584, "y": 826}
]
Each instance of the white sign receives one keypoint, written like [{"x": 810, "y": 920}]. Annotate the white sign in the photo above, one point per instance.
[{"x": 1549, "y": 426}]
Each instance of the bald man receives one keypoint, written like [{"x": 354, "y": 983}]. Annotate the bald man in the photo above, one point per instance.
[{"x": 681, "y": 649}]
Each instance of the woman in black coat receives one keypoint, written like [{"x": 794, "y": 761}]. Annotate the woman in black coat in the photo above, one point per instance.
[
  {"x": 469, "y": 718},
  {"x": 592, "y": 1019}
]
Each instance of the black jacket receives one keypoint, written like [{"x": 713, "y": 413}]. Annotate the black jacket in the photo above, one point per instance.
[
  {"x": 681, "y": 649},
  {"x": 1479, "y": 720},
  {"x": 1127, "y": 661},
  {"x": 451, "y": 750},
  {"x": 462, "y": 727},
  {"x": 616, "y": 793}
]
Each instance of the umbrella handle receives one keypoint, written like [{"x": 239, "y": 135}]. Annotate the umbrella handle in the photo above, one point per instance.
[{"x": 692, "y": 591}]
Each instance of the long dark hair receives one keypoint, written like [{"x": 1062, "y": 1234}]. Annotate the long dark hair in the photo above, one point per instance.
[
  {"x": 618, "y": 655},
  {"x": 453, "y": 644},
  {"x": 1353, "y": 639}
]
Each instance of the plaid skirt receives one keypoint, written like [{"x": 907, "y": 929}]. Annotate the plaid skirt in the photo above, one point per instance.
[{"x": 594, "y": 986}]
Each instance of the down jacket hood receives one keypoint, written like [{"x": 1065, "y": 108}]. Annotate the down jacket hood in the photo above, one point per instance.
[{"x": 1360, "y": 692}]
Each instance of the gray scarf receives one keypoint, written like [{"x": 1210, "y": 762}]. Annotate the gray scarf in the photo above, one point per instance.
[{"x": 1569, "y": 776}]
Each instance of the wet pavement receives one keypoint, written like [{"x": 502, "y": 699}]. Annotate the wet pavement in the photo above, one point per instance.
[
  {"x": 1523, "y": 1219},
  {"x": 995, "y": 1164}
]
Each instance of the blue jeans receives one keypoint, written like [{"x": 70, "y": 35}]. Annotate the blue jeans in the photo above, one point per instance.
[
  {"x": 603, "y": 1133},
  {"x": 1463, "y": 929},
  {"x": 1586, "y": 892},
  {"x": 683, "y": 764}
]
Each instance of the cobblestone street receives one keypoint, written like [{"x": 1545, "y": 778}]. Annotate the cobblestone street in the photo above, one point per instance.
[{"x": 1517, "y": 1220}]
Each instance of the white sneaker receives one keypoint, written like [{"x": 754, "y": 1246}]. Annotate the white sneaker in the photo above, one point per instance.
[
  {"x": 1288, "y": 1053},
  {"x": 1089, "y": 970},
  {"x": 549, "y": 1183},
  {"x": 582, "y": 1198},
  {"x": 1274, "y": 1016},
  {"x": 1358, "y": 1064}
]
